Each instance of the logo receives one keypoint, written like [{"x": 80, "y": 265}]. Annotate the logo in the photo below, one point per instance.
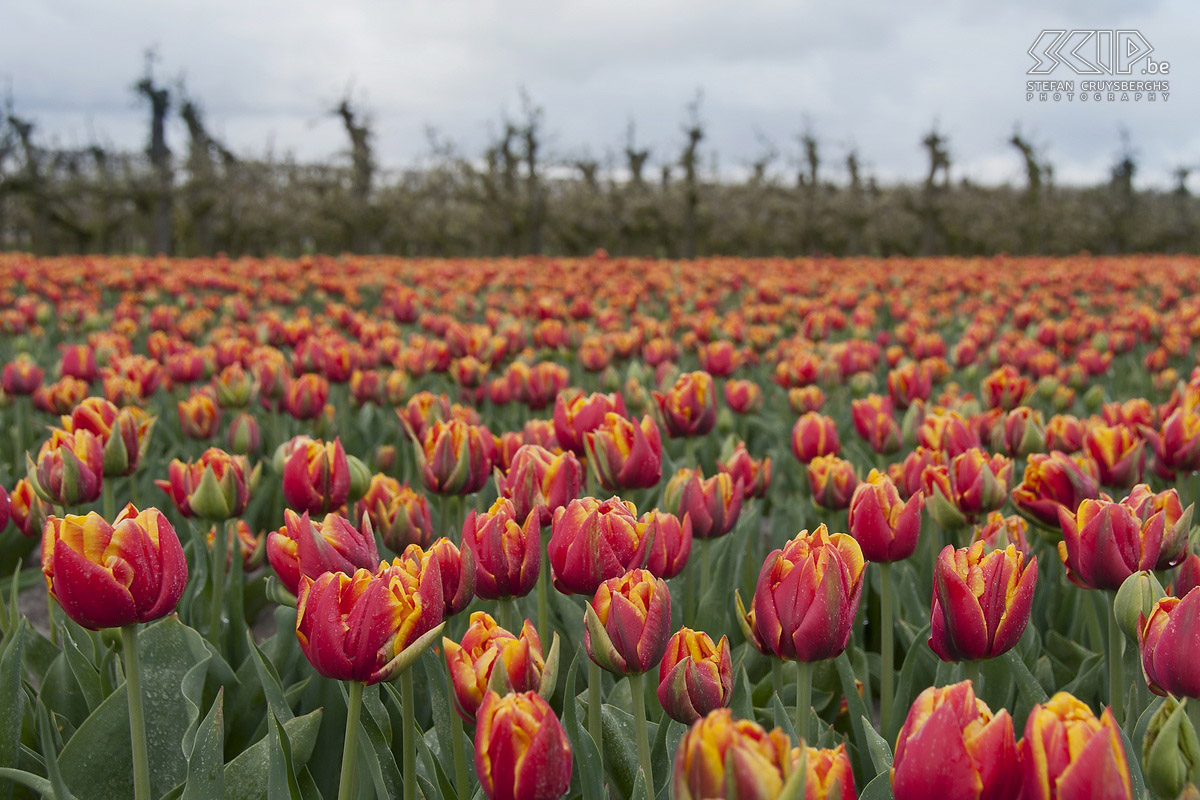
[{"x": 1094, "y": 52}]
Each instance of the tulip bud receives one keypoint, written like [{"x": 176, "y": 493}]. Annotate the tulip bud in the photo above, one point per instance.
[
  {"x": 720, "y": 757},
  {"x": 952, "y": 746},
  {"x": 809, "y": 616},
  {"x": 832, "y": 481},
  {"x": 712, "y": 505},
  {"x": 1165, "y": 523},
  {"x": 244, "y": 437},
  {"x": 110, "y": 576},
  {"x": 21, "y": 376},
  {"x": 1176, "y": 444},
  {"x": 521, "y": 749},
  {"x": 28, "y": 509},
  {"x": 301, "y": 548},
  {"x": 1052, "y": 482},
  {"x": 199, "y": 416},
  {"x": 1064, "y": 432},
  {"x": 970, "y": 485},
  {"x": 981, "y": 602},
  {"x": 234, "y": 387},
  {"x": 743, "y": 397},
  {"x": 485, "y": 646},
  {"x": 397, "y": 513},
  {"x": 538, "y": 480},
  {"x": 316, "y": 477},
  {"x": 1005, "y": 388},
  {"x": 1103, "y": 545},
  {"x": 670, "y": 542},
  {"x": 121, "y": 432},
  {"x": 912, "y": 423},
  {"x": 949, "y": 432},
  {"x": 215, "y": 486},
  {"x": 624, "y": 454},
  {"x": 695, "y": 676},
  {"x": 1166, "y": 638},
  {"x": 1119, "y": 453},
  {"x": 628, "y": 622},
  {"x": 455, "y": 457},
  {"x": 305, "y": 396},
  {"x": 1135, "y": 600},
  {"x": 829, "y": 774},
  {"x": 1067, "y": 753},
  {"x": 885, "y": 527},
  {"x": 577, "y": 415},
  {"x": 1020, "y": 433},
  {"x": 876, "y": 423},
  {"x": 689, "y": 408},
  {"x": 754, "y": 475},
  {"x": 814, "y": 435},
  {"x": 803, "y": 399},
  {"x": 1170, "y": 749},
  {"x": 507, "y": 554},
  {"x": 69, "y": 469},
  {"x": 367, "y": 627}
]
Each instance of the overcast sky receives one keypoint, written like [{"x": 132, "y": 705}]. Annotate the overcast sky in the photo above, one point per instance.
[{"x": 874, "y": 75}]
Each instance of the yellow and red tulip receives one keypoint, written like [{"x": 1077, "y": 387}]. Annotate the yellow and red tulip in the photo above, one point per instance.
[
  {"x": 876, "y": 423},
  {"x": 576, "y": 415},
  {"x": 625, "y": 454},
  {"x": 507, "y": 553},
  {"x": 316, "y": 476},
  {"x": 953, "y": 747},
  {"x": 689, "y": 407},
  {"x": 832, "y": 481},
  {"x": 885, "y": 527},
  {"x": 970, "y": 485},
  {"x": 1005, "y": 388},
  {"x": 69, "y": 469},
  {"x": 486, "y": 647},
  {"x": 670, "y": 542},
  {"x": 712, "y": 505},
  {"x": 301, "y": 548},
  {"x": 28, "y": 509},
  {"x": 109, "y": 576},
  {"x": 743, "y": 397},
  {"x": 455, "y": 457},
  {"x": 997, "y": 532},
  {"x": 695, "y": 676},
  {"x": 981, "y": 601},
  {"x": 215, "y": 486},
  {"x": 722, "y": 758},
  {"x": 396, "y": 512},
  {"x": 540, "y": 481},
  {"x": 1069, "y": 754},
  {"x": 199, "y": 416},
  {"x": 521, "y": 749},
  {"x": 829, "y": 775},
  {"x": 1167, "y": 640},
  {"x": 444, "y": 561},
  {"x": 628, "y": 622},
  {"x": 755, "y": 475},
  {"x": 1055, "y": 481},
  {"x": 1119, "y": 454},
  {"x": 1105, "y": 542},
  {"x": 814, "y": 435},
  {"x": 304, "y": 397}
]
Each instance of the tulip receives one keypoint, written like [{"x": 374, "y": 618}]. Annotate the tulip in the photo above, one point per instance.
[
  {"x": 110, "y": 576},
  {"x": 121, "y": 432},
  {"x": 305, "y": 397},
  {"x": 1005, "y": 388},
  {"x": 623, "y": 454},
  {"x": 234, "y": 387},
  {"x": 1068, "y": 754},
  {"x": 244, "y": 436},
  {"x": 909, "y": 475},
  {"x": 1052, "y": 482},
  {"x": 981, "y": 602},
  {"x": 713, "y": 505},
  {"x": 628, "y": 623},
  {"x": 997, "y": 532},
  {"x": 301, "y": 548},
  {"x": 28, "y": 509},
  {"x": 1176, "y": 444},
  {"x": 829, "y": 775},
  {"x": 1163, "y": 519},
  {"x": 806, "y": 597},
  {"x": 1119, "y": 453},
  {"x": 455, "y": 458},
  {"x": 953, "y": 747},
  {"x": 689, "y": 408},
  {"x": 79, "y": 361},
  {"x": 908, "y": 383},
  {"x": 538, "y": 480},
  {"x": 1103, "y": 544},
  {"x": 970, "y": 485},
  {"x": 670, "y": 542},
  {"x": 422, "y": 411},
  {"x": 59, "y": 397},
  {"x": 695, "y": 676},
  {"x": 444, "y": 561},
  {"x": 576, "y": 416},
  {"x": 949, "y": 432},
  {"x": 507, "y": 554},
  {"x": 521, "y": 749},
  {"x": 251, "y": 546},
  {"x": 832, "y": 481},
  {"x": 876, "y": 423},
  {"x": 199, "y": 416},
  {"x": 216, "y": 486},
  {"x": 69, "y": 469},
  {"x": 719, "y": 358},
  {"x": 885, "y": 527},
  {"x": 803, "y": 399},
  {"x": 486, "y": 646},
  {"x": 397, "y": 513},
  {"x": 367, "y": 387},
  {"x": 21, "y": 376},
  {"x": 754, "y": 475},
  {"x": 1020, "y": 433},
  {"x": 720, "y": 757},
  {"x": 1064, "y": 432},
  {"x": 743, "y": 397},
  {"x": 316, "y": 477},
  {"x": 814, "y": 435},
  {"x": 1167, "y": 640},
  {"x": 367, "y": 627}
]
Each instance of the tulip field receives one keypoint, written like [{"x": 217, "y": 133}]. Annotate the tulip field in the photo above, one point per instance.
[{"x": 531, "y": 528}]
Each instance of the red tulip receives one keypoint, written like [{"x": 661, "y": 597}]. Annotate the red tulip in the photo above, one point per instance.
[
  {"x": 1167, "y": 640},
  {"x": 576, "y": 416},
  {"x": 814, "y": 435},
  {"x": 885, "y": 527},
  {"x": 507, "y": 554},
  {"x": 832, "y": 481},
  {"x": 689, "y": 408},
  {"x": 1068, "y": 754},
  {"x": 301, "y": 548},
  {"x": 316, "y": 476},
  {"x": 624, "y": 454},
  {"x": 695, "y": 676},
  {"x": 713, "y": 505},
  {"x": 485, "y": 647},
  {"x": 981, "y": 602},
  {"x": 521, "y": 749},
  {"x": 754, "y": 475},
  {"x": 591, "y": 541},
  {"x": 538, "y": 480},
  {"x": 670, "y": 542},
  {"x": 628, "y": 622},
  {"x": 1052, "y": 482},
  {"x": 1119, "y": 453},
  {"x": 397, "y": 513}
]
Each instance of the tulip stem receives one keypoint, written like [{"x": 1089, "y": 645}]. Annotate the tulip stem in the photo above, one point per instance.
[
  {"x": 1193, "y": 711},
  {"x": 220, "y": 547},
  {"x": 543, "y": 592},
  {"x": 510, "y": 615},
  {"x": 637, "y": 688},
  {"x": 1116, "y": 677},
  {"x": 803, "y": 699},
  {"x": 595, "y": 727},
  {"x": 137, "y": 718},
  {"x": 108, "y": 503},
  {"x": 971, "y": 673},
  {"x": 887, "y": 643},
  {"x": 777, "y": 677},
  {"x": 689, "y": 452},
  {"x": 346, "y": 787},
  {"x": 410, "y": 735},
  {"x": 461, "y": 786},
  {"x": 705, "y": 548}
]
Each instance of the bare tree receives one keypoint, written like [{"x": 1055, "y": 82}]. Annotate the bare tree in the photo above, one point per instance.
[
  {"x": 693, "y": 131},
  {"x": 159, "y": 100}
]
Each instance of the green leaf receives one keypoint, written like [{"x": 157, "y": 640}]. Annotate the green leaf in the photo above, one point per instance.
[
  {"x": 878, "y": 789},
  {"x": 269, "y": 678},
  {"x": 206, "y": 761},
  {"x": 246, "y": 775},
  {"x": 588, "y": 771},
  {"x": 857, "y": 709},
  {"x": 57, "y": 784},
  {"x": 12, "y": 701},
  {"x": 877, "y": 746},
  {"x": 917, "y": 672},
  {"x": 664, "y": 747},
  {"x": 782, "y": 717},
  {"x": 377, "y": 756},
  {"x": 281, "y": 771},
  {"x": 97, "y": 762},
  {"x": 1027, "y": 684},
  {"x": 743, "y": 702},
  {"x": 620, "y": 746},
  {"x": 1133, "y": 758}
]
